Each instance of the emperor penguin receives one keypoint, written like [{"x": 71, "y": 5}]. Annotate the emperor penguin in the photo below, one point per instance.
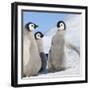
[
  {"x": 56, "y": 58},
  {"x": 31, "y": 57},
  {"x": 57, "y": 54},
  {"x": 39, "y": 39}
]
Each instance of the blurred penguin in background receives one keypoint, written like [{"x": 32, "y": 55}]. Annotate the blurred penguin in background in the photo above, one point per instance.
[
  {"x": 31, "y": 57},
  {"x": 39, "y": 40}
]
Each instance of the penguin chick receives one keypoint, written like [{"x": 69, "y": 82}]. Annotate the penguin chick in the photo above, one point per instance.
[
  {"x": 57, "y": 56},
  {"x": 31, "y": 58},
  {"x": 39, "y": 40}
]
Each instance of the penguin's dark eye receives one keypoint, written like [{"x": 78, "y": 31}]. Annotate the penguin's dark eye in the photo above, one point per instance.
[
  {"x": 32, "y": 25},
  {"x": 61, "y": 24},
  {"x": 38, "y": 35}
]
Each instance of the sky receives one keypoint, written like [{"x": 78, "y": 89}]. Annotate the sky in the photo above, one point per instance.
[
  {"x": 44, "y": 20},
  {"x": 47, "y": 23}
]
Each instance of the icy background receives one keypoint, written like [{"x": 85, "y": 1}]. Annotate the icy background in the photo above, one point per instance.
[{"x": 73, "y": 23}]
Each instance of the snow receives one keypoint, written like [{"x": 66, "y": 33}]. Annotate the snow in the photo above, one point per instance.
[
  {"x": 73, "y": 68},
  {"x": 73, "y": 59}
]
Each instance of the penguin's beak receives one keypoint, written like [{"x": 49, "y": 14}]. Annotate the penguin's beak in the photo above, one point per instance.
[{"x": 36, "y": 26}]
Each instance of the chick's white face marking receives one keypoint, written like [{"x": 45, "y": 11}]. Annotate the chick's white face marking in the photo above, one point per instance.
[
  {"x": 31, "y": 27},
  {"x": 38, "y": 36},
  {"x": 61, "y": 26}
]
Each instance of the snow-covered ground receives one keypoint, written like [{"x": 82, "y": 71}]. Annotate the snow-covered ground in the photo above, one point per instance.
[
  {"x": 73, "y": 67},
  {"x": 73, "y": 24}
]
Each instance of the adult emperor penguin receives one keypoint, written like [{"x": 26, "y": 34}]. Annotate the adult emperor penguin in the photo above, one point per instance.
[
  {"x": 56, "y": 59},
  {"x": 39, "y": 40},
  {"x": 31, "y": 58}
]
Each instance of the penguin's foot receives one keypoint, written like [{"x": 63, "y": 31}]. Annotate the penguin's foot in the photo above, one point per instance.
[
  {"x": 62, "y": 69},
  {"x": 51, "y": 70},
  {"x": 23, "y": 75},
  {"x": 35, "y": 75},
  {"x": 29, "y": 75},
  {"x": 56, "y": 70}
]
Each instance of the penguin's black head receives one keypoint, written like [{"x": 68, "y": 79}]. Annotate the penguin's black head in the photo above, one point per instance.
[
  {"x": 31, "y": 26},
  {"x": 38, "y": 35},
  {"x": 61, "y": 25}
]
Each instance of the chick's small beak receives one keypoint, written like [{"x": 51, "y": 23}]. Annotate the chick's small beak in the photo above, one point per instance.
[{"x": 36, "y": 26}]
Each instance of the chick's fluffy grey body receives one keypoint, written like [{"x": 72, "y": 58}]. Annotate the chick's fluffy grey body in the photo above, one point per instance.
[
  {"x": 57, "y": 57},
  {"x": 31, "y": 58}
]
